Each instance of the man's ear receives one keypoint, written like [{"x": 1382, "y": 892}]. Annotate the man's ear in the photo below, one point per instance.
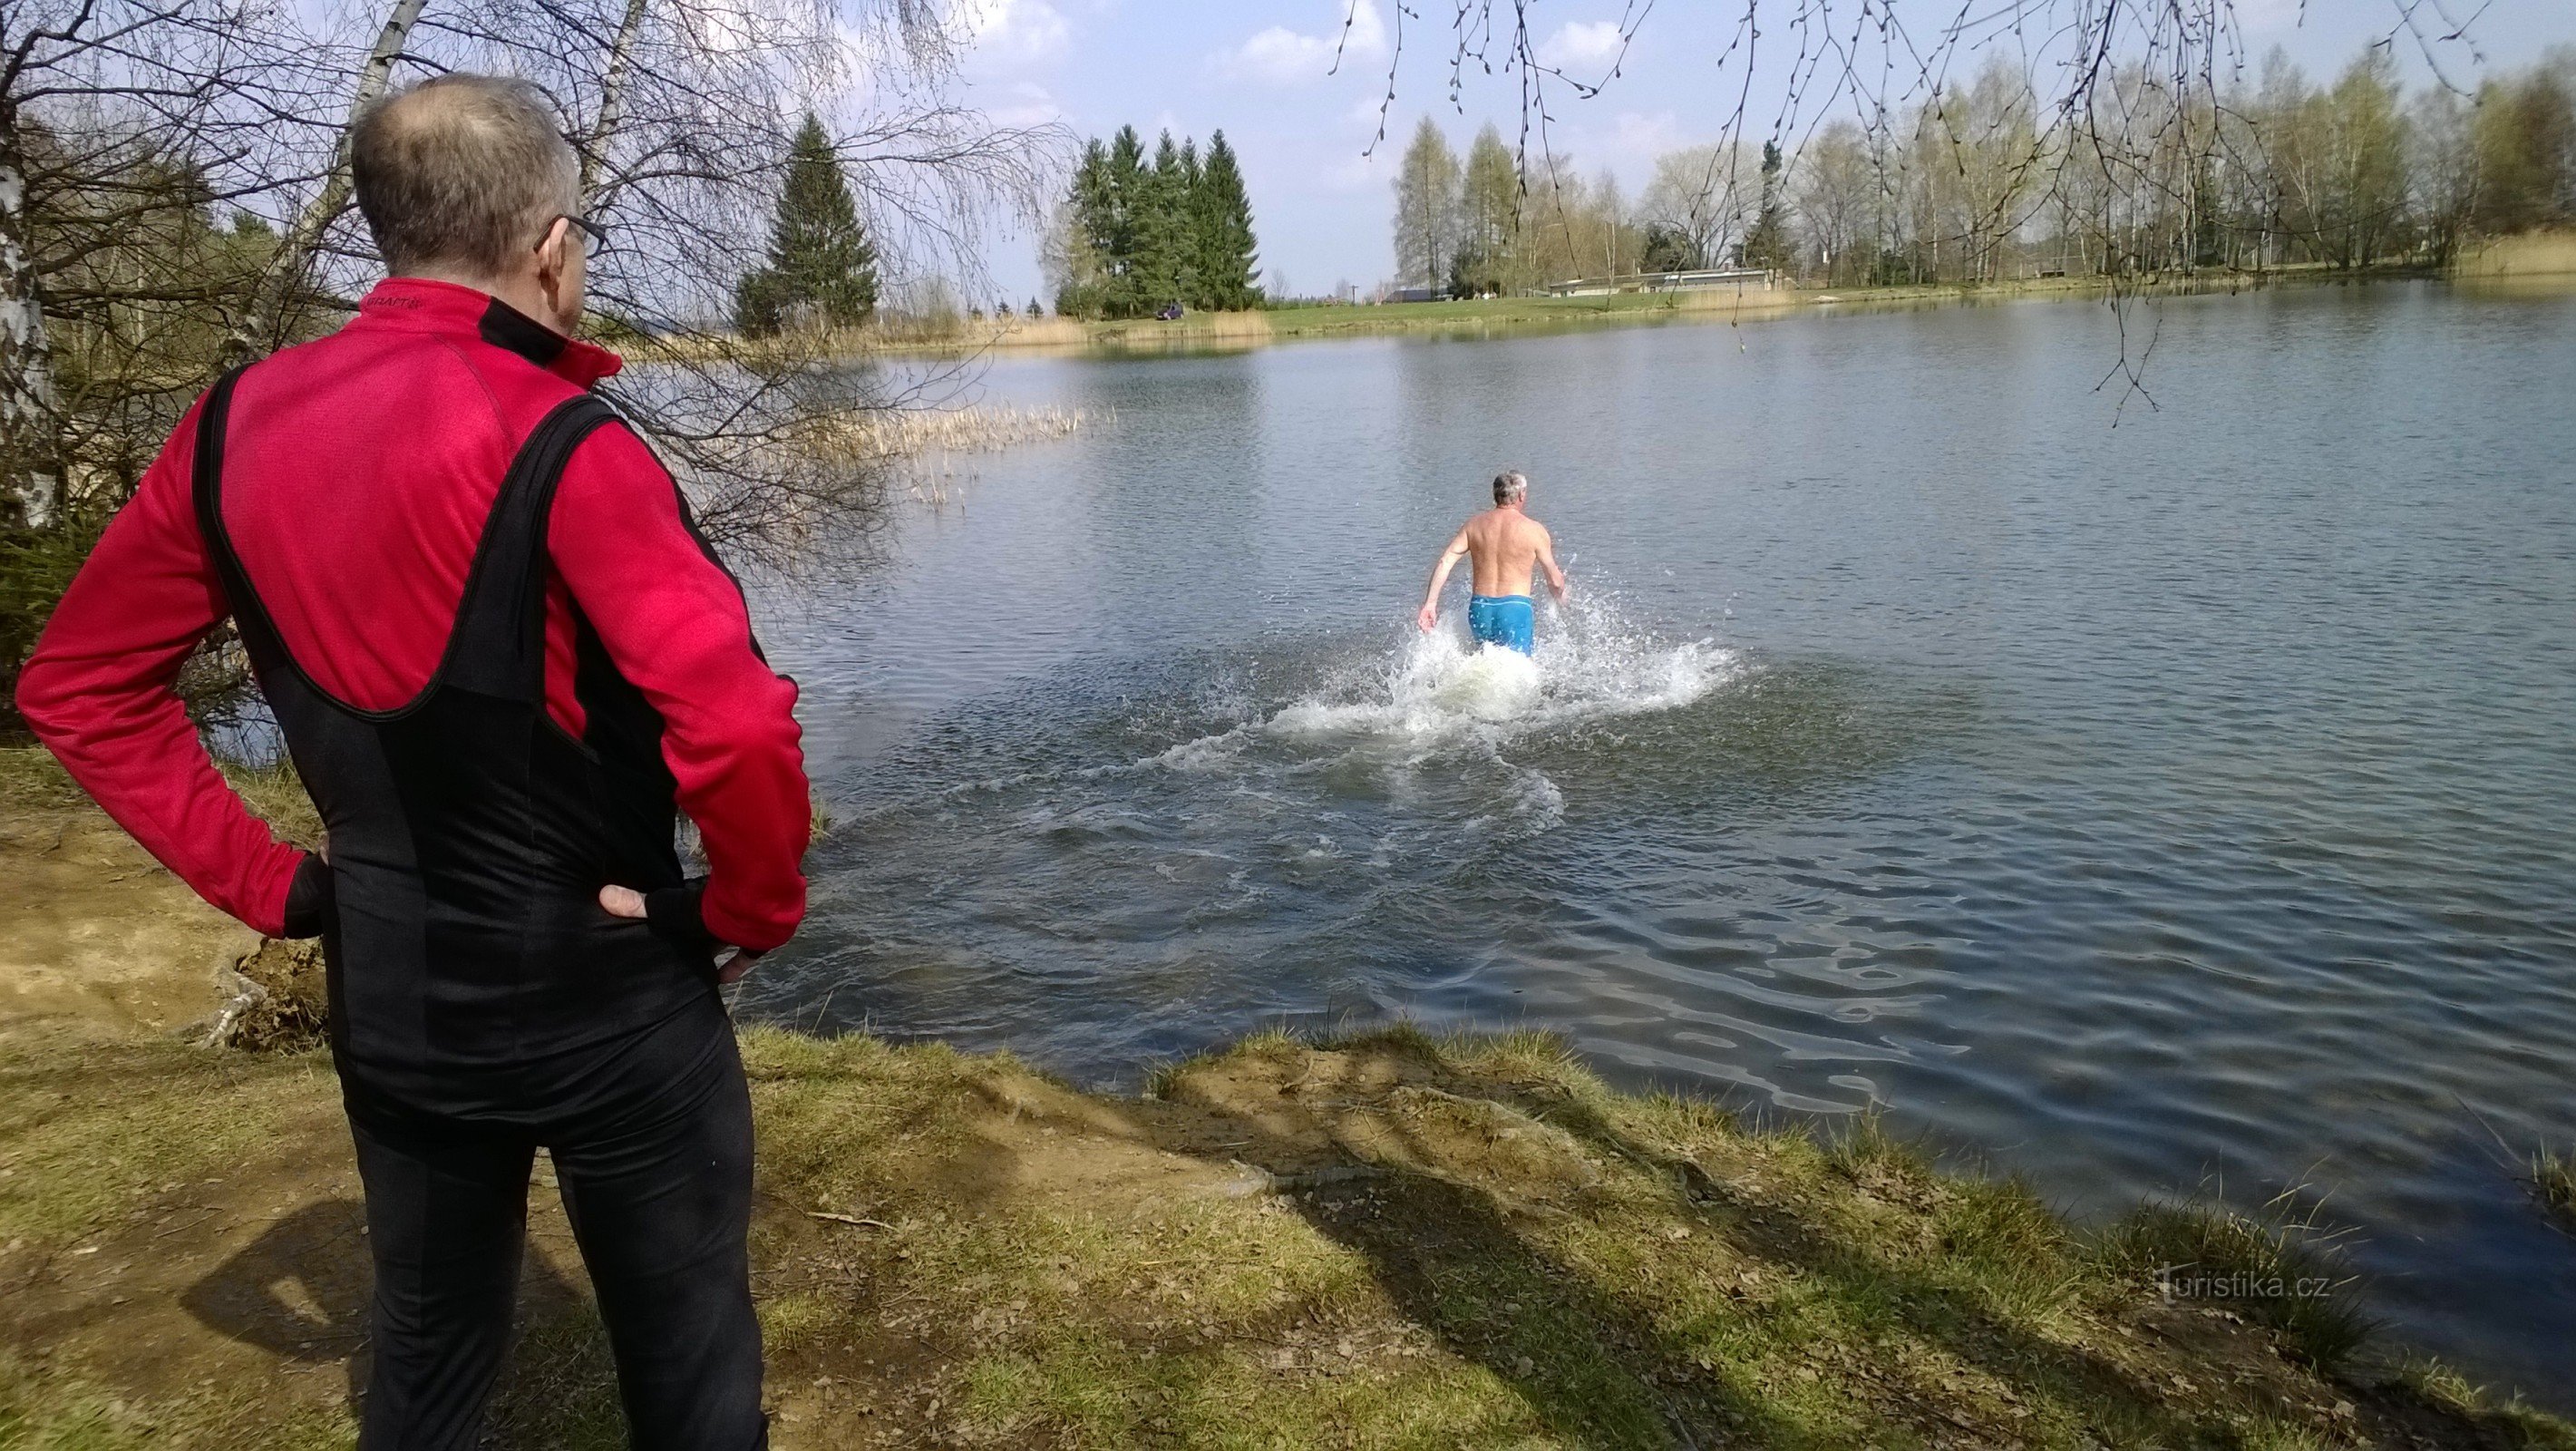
[{"x": 550, "y": 251}]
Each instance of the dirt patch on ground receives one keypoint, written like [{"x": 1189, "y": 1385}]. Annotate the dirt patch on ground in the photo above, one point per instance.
[{"x": 97, "y": 935}]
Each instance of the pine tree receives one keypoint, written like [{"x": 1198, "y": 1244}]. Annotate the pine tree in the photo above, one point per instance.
[
  {"x": 1227, "y": 252},
  {"x": 1132, "y": 237},
  {"x": 1159, "y": 272},
  {"x": 1077, "y": 253},
  {"x": 1125, "y": 181},
  {"x": 1766, "y": 243},
  {"x": 822, "y": 267}
]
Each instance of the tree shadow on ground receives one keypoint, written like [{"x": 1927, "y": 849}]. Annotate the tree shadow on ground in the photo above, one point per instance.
[
  {"x": 1464, "y": 1253},
  {"x": 301, "y": 1292},
  {"x": 1593, "y": 1368}
]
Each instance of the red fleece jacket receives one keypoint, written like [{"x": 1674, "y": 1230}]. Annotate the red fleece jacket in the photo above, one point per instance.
[{"x": 358, "y": 473}]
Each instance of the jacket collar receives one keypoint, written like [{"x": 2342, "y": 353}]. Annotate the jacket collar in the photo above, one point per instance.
[{"x": 421, "y": 304}]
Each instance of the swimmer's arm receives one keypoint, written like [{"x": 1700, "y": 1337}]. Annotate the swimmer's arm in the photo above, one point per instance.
[
  {"x": 1430, "y": 611},
  {"x": 1547, "y": 561}
]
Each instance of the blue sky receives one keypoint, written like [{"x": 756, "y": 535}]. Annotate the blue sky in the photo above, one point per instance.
[{"x": 1263, "y": 72}]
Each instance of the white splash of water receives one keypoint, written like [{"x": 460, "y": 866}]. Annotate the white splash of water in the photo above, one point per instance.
[{"x": 1440, "y": 689}]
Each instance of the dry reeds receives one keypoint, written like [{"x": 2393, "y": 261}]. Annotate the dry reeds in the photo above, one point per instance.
[
  {"x": 922, "y": 446},
  {"x": 2530, "y": 254}
]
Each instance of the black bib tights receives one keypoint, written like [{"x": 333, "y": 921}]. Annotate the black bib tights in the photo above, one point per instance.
[{"x": 483, "y": 1005}]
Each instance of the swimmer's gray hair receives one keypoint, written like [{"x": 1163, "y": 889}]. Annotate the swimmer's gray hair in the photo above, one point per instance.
[{"x": 1510, "y": 487}]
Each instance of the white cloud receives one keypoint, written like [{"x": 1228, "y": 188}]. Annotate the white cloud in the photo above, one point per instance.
[
  {"x": 1016, "y": 30},
  {"x": 1030, "y": 104},
  {"x": 1357, "y": 173},
  {"x": 1280, "y": 56},
  {"x": 1635, "y": 134},
  {"x": 1582, "y": 45}
]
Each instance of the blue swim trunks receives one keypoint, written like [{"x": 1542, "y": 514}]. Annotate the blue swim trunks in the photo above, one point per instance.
[{"x": 1504, "y": 620}]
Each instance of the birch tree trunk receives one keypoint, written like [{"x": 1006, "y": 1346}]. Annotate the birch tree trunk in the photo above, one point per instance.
[
  {"x": 30, "y": 433},
  {"x": 294, "y": 257},
  {"x": 612, "y": 101}
]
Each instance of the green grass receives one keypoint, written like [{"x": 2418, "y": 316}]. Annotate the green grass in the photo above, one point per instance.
[
  {"x": 2274, "y": 1272},
  {"x": 1507, "y": 1253},
  {"x": 45, "y": 1410},
  {"x": 2515, "y": 1422},
  {"x": 2553, "y": 1181},
  {"x": 31, "y": 779}
]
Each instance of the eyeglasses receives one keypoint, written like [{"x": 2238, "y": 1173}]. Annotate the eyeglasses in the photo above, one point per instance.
[{"x": 594, "y": 237}]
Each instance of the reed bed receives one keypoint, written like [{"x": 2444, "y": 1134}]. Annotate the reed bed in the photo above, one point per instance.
[
  {"x": 2531, "y": 254},
  {"x": 925, "y": 447}
]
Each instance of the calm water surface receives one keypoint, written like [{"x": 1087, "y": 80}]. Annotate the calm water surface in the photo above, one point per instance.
[{"x": 2183, "y": 803}]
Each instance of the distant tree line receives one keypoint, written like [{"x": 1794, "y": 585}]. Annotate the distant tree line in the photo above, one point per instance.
[
  {"x": 1133, "y": 237},
  {"x": 1974, "y": 185}
]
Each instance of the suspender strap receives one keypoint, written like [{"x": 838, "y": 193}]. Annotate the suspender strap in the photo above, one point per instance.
[
  {"x": 206, "y": 480},
  {"x": 497, "y": 646}
]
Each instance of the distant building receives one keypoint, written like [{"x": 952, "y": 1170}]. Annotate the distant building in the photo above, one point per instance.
[
  {"x": 1418, "y": 294},
  {"x": 1705, "y": 279}
]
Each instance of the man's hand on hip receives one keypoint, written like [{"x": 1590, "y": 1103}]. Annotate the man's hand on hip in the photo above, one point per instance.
[{"x": 627, "y": 902}]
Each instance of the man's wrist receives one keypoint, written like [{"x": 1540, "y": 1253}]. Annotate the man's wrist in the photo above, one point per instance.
[
  {"x": 308, "y": 899},
  {"x": 679, "y": 913}
]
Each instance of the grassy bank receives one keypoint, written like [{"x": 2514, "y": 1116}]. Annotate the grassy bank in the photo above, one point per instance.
[
  {"x": 1535, "y": 314},
  {"x": 1384, "y": 1240},
  {"x": 1201, "y": 332}
]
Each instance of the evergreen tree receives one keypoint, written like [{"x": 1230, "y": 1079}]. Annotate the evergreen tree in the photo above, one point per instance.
[
  {"x": 1226, "y": 252},
  {"x": 1766, "y": 243},
  {"x": 1126, "y": 181},
  {"x": 1078, "y": 253},
  {"x": 1159, "y": 273},
  {"x": 1668, "y": 249},
  {"x": 1132, "y": 237},
  {"x": 822, "y": 267}
]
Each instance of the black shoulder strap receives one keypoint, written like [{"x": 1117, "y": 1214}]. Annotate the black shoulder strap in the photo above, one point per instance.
[
  {"x": 499, "y": 645},
  {"x": 259, "y": 636}
]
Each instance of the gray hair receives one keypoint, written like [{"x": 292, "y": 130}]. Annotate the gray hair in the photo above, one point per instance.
[
  {"x": 1510, "y": 487},
  {"x": 461, "y": 170}
]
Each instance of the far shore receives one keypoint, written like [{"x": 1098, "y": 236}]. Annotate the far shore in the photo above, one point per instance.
[
  {"x": 2541, "y": 262},
  {"x": 1384, "y": 1240}
]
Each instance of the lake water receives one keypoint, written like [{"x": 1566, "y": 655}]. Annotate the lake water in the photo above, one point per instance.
[{"x": 2183, "y": 803}]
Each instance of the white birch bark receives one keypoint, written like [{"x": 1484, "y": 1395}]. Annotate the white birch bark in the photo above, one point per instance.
[
  {"x": 29, "y": 440},
  {"x": 295, "y": 252},
  {"x": 612, "y": 101}
]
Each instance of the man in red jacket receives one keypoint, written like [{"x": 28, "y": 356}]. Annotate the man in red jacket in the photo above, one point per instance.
[{"x": 503, "y": 661}]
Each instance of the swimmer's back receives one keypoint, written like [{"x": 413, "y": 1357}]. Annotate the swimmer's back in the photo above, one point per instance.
[{"x": 1504, "y": 546}]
